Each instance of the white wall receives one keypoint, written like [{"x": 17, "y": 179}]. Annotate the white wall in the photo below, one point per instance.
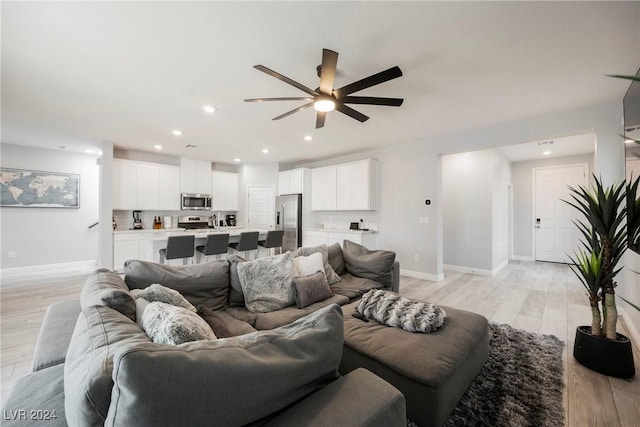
[
  {"x": 42, "y": 236},
  {"x": 500, "y": 211},
  {"x": 523, "y": 199}
]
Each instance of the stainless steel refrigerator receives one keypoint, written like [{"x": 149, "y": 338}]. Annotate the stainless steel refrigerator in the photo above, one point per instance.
[{"x": 289, "y": 219}]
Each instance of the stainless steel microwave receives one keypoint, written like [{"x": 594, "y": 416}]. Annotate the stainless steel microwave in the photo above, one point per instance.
[{"x": 195, "y": 202}]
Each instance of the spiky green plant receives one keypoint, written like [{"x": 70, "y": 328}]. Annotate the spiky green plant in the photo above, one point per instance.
[{"x": 604, "y": 244}]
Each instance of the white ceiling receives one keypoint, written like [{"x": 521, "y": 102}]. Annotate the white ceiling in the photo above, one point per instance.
[
  {"x": 557, "y": 147},
  {"x": 78, "y": 73}
]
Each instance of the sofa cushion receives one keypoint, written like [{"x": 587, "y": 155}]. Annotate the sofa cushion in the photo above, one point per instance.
[
  {"x": 236, "y": 297},
  {"x": 201, "y": 284},
  {"x": 42, "y": 392},
  {"x": 336, "y": 259},
  {"x": 159, "y": 293},
  {"x": 223, "y": 324},
  {"x": 354, "y": 287},
  {"x": 376, "y": 265},
  {"x": 55, "y": 334},
  {"x": 169, "y": 324},
  {"x": 227, "y": 382},
  {"x": 99, "y": 332},
  {"x": 267, "y": 283},
  {"x": 104, "y": 287},
  {"x": 332, "y": 276},
  {"x": 310, "y": 289}
]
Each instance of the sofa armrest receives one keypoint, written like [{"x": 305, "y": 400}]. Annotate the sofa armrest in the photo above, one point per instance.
[
  {"x": 360, "y": 398},
  {"x": 55, "y": 334},
  {"x": 395, "y": 277}
]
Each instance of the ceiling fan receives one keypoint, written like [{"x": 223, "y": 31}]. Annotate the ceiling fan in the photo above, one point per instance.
[{"x": 325, "y": 98}]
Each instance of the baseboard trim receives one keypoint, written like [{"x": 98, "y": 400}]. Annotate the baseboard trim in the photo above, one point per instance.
[
  {"x": 423, "y": 276},
  {"x": 469, "y": 270},
  {"x": 634, "y": 334},
  {"x": 11, "y": 276},
  {"x": 522, "y": 258}
]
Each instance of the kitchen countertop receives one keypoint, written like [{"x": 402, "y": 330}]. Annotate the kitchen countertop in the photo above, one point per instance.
[
  {"x": 172, "y": 230},
  {"x": 339, "y": 230}
]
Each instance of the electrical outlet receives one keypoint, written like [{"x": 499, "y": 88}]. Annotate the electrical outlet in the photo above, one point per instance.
[
  {"x": 11, "y": 254},
  {"x": 423, "y": 220},
  {"x": 416, "y": 257}
]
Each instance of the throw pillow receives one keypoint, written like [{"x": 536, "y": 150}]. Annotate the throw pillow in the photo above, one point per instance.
[
  {"x": 307, "y": 265},
  {"x": 157, "y": 292},
  {"x": 106, "y": 288},
  {"x": 201, "y": 284},
  {"x": 168, "y": 324},
  {"x": 236, "y": 297},
  {"x": 267, "y": 283},
  {"x": 223, "y": 324},
  {"x": 310, "y": 289},
  {"x": 336, "y": 260},
  {"x": 376, "y": 265},
  {"x": 331, "y": 275}
]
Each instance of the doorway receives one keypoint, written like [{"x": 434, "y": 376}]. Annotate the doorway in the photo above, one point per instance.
[
  {"x": 261, "y": 207},
  {"x": 555, "y": 236}
]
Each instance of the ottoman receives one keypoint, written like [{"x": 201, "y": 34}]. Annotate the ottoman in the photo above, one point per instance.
[{"x": 432, "y": 370}]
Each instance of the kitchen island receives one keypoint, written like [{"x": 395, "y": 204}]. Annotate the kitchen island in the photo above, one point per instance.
[{"x": 146, "y": 244}]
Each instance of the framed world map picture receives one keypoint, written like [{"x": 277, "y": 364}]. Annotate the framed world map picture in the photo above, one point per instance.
[{"x": 36, "y": 189}]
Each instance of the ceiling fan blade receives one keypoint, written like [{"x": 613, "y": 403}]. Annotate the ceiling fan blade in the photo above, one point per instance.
[
  {"x": 285, "y": 79},
  {"x": 375, "y": 79},
  {"x": 295, "y": 110},
  {"x": 372, "y": 100},
  {"x": 298, "y": 98},
  {"x": 351, "y": 112},
  {"x": 328, "y": 71},
  {"x": 320, "y": 117}
]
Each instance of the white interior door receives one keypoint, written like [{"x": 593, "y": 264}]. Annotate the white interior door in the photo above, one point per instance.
[
  {"x": 555, "y": 234},
  {"x": 261, "y": 205}
]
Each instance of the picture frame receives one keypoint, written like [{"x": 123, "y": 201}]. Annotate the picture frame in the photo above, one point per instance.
[{"x": 22, "y": 188}]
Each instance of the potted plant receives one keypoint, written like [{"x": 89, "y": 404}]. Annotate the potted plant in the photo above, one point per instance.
[{"x": 599, "y": 347}]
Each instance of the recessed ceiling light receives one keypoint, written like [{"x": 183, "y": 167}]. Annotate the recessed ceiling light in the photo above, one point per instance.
[
  {"x": 546, "y": 153},
  {"x": 236, "y": 160},
  {"x": 89, "y": 151},
  {"x": 100, "y": 152},
  {"x": 157, "y": 147},
  {"x": 308, "y": 138},
  {"x": 176, "y": 132},
  {"x": 209, "y": 109},
  {"x": 265, "y": 151}
]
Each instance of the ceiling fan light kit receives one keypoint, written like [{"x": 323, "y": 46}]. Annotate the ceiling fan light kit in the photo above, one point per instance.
[{"x": 325, "y": 98}]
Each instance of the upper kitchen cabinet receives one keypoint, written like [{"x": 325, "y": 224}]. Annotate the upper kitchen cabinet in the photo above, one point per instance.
[
  {"x": 225, "y": 189},
  {"x": 145, "y": 186},
  {"x": 345, "y": 187},
  {"x": 195, "y": 176},
  {"x": 293, "y": 181}
]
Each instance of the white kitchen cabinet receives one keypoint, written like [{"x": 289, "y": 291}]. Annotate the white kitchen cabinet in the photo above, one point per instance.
[
  {"x": 323, "y": 189},
  {"x": 292, "y": 181},
  {"x": 130, "y": 246},
  {"x": 225, "y": 189},
  {"x": 314, "y": 238},
  {"x": 356, "y": 186},
  {"x": 195, "y": 176},
  {"x": 329, "y": 237},
  {"x": 145, "y": 186}
]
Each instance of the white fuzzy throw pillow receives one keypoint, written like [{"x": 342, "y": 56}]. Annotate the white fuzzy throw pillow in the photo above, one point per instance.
[
  {"x": 308, "y": 265},
  {"x": 157, "y": 292},
  {"x": 391, "y": 309},
  {"x": 267, "y": 283},
  {"x": 168, "y": 324}
]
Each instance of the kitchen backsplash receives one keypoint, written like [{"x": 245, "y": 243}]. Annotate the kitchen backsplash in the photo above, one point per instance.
[
  {"x": 124, "y": 219},
  {"x": 342, "y": 220}
]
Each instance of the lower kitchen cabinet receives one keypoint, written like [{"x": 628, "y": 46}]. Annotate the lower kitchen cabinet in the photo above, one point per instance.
[
  {"x": 328, "y": 237},
  {"x": 130, "y": 246}
]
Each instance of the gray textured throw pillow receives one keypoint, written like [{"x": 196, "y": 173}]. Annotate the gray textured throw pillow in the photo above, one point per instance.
[
  {"x": 106, "y": 288},
  {"x": 168, "y": 324},
  {"x": 332, "y": 276},
  {"x": 375, "y": 265},
  {"x": 310, "y": 289},
  {"x": 159, "y": 293},
  {"x": 267, "y": 283}
]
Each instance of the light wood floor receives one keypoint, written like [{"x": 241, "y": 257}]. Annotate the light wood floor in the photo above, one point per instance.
[{"x": 538, "y": 297}]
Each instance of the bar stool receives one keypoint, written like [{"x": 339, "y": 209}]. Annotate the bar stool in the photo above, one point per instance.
[
  {"x": 178, "y": 247},
  {"x": 215, "y": 244},
  {"x": 248, "y": 242},
  {"x": 272, "y": 240}
]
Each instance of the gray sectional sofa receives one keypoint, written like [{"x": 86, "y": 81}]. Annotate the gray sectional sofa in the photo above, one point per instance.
[{"x": 315, "y": 365}]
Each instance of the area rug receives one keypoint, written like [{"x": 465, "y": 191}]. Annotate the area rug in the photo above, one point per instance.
[{"x": 520, "y": 385}]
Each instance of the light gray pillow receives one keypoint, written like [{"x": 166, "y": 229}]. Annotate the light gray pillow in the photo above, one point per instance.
[
  {"x": 267, "y": 283},
  {"x": 157, "y": 292},
  {"x": 376, "y": 265},
  {"x": 168, "y": 324},
  {"x": 106, "y": 288},
  {"x": 308, "y": 265},
  {"x": 332, "y": 276}
]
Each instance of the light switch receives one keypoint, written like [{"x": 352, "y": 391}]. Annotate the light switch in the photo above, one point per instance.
[{"x": 423, "y": 220}]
